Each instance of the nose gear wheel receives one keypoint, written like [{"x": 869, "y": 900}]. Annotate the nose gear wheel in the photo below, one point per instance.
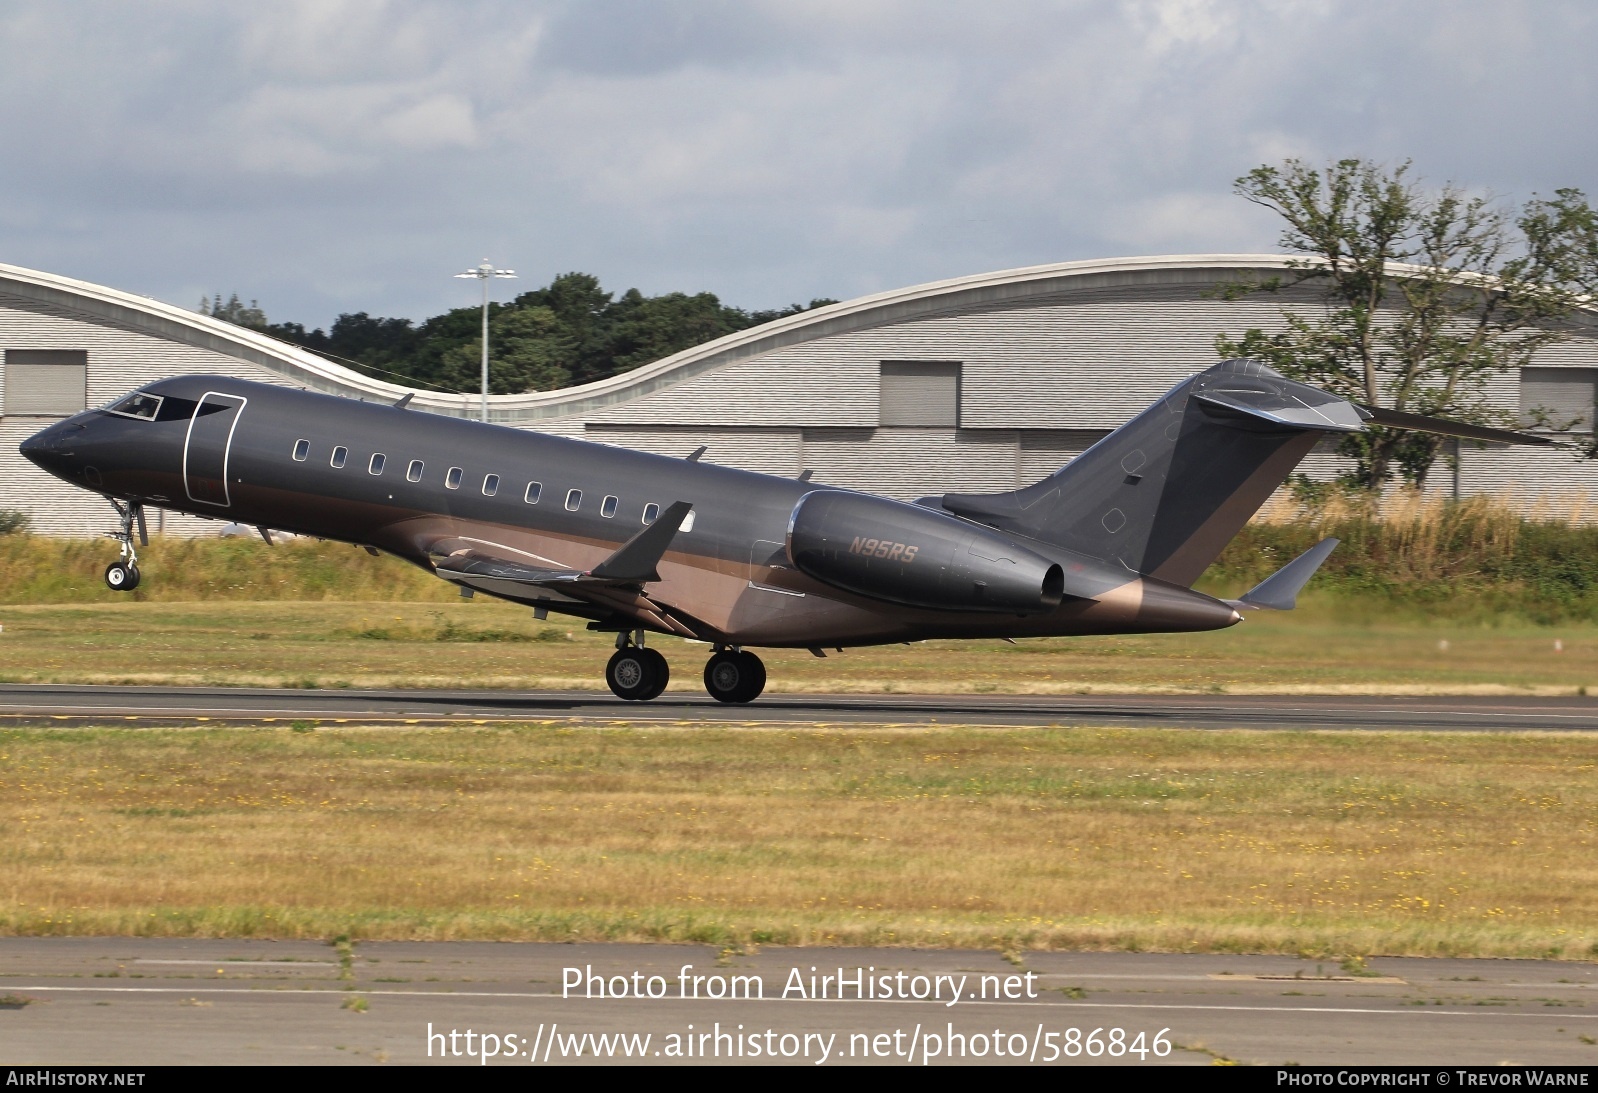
[{"x": 122, "y": 576}]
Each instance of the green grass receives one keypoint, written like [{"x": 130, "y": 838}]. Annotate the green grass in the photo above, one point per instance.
[
  {"x": 1476, "y": 560},
  {"x": 1326, "y": 647},
  {"x": 1422, "y": 597},
  {"x": 1473, "y": 561},
  {"x": 35, "y": 569}
]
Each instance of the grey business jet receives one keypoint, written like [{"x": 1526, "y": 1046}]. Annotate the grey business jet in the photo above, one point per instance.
[{"x": 638, "y": 543}]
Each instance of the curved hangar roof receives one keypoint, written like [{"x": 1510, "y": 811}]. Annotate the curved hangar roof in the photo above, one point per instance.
[{"x": 49, "y": 294}]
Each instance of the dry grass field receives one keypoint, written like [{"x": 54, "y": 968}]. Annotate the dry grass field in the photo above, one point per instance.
[
  {"x": 1334, "y": 844},
  {"x": 1327, "y": 646},
  {"x": 1331, "y": 844}
]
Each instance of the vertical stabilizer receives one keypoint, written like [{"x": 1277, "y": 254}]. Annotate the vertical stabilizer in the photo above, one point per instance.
[{"x": 1166, "y": 492}]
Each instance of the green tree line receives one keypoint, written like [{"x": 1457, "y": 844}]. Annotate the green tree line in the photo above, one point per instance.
[{"x": 568, "y": 332}]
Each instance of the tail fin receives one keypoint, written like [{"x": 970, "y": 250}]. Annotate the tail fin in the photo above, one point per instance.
[{"x": 1168, "y": 490}]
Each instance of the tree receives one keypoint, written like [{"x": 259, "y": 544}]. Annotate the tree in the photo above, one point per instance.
[
  {"x": 1426, "y": 296},
  {"x": 234, "y": 311},
  {"x": 570, "y": 331},
  {"x": 529, "y": 348}
]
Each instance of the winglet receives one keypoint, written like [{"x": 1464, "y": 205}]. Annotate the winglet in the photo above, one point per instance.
[
  {"x": 637, "y": 558},
  {"x": 1279, "y": 591}
]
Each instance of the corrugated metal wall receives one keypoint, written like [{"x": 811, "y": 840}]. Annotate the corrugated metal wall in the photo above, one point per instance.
[{"x": 769, "y": 451}]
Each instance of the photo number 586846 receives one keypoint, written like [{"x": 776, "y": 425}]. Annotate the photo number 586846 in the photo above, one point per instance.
[{"x": 1103, "y": 1042}]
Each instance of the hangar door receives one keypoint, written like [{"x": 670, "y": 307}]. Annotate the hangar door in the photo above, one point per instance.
[{"x": 46, "y": 382}]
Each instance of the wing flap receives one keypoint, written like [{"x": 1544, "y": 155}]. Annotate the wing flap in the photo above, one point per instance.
[{"x": 471, "y": 564}]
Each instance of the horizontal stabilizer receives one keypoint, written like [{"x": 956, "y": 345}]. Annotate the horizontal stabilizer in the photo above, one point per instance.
[
  {"x": 1397, "y": 420},
  {"x": 1279, "y": 591}
]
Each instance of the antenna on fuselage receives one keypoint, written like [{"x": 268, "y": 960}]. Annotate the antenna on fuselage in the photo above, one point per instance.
[
  {"x": 693, "y": 456},
  {"x": 406, "y": 401}
]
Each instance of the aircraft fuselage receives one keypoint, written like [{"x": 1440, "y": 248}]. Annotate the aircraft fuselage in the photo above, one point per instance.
[{"x": 422, "y": 486}]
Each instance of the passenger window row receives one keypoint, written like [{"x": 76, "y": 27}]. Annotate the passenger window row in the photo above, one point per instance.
[{"x": 454, "y": 476}]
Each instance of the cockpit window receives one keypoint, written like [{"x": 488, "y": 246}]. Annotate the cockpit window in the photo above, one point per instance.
[{"x": 138, "y": 404}]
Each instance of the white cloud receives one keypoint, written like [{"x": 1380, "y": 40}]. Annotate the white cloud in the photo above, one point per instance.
[{"x": 327, "y": 155}]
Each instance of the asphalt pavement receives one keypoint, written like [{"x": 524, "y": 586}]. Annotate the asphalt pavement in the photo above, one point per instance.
[
  {"x": 52, "y": 704},
  {"x": 127, "y": 1002}
]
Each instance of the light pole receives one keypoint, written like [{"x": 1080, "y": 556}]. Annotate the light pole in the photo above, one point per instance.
[{"x": 483, "y": 273}]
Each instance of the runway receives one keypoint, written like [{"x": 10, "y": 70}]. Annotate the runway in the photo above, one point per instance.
[
  {"x": 65, "y": 706},
  {"x": 127, "y": 1002}
]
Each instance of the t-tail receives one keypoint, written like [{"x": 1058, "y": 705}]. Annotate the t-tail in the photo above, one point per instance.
[{"x": 1166, "y": 492}]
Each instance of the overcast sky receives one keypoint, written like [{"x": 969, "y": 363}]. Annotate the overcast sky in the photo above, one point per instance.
[{"x": 329, "y": 156}]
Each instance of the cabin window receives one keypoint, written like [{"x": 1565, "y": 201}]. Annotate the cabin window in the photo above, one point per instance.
[
  {"x": 651, "y": 513},
  {"x": 534, "y": 491},
  {"x": 302, "y": 448},
  {"x": 490, "y": 485},
  {"x": 340, "y": 454},
  {"x": 607, "y": 507},
  {"x": 376, "y": 465},
  {"x": 574, "y": 498},
  {"x": 452, "y": 480},
  {"x": 688, "y": 521},
  {"x": 413, "y": 473}
]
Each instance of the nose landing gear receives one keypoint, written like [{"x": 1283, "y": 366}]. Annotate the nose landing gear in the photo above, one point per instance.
[{"x": 123, "y": 574}]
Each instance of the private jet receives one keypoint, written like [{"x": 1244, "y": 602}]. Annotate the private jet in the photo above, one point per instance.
[{"x": 640, "y": 544}]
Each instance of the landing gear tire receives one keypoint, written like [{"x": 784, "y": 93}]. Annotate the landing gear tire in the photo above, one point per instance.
[
  {"x": 122, "y": 576},
  {"x": 661, "y": 671},
  {"x": 735, "y": 677},
  {"x": 636, "y": 674}
]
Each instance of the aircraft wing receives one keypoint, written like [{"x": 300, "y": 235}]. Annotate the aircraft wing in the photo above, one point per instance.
[
  {"x": 615, "y": 584},
  {"x": 632, "y": 564}
]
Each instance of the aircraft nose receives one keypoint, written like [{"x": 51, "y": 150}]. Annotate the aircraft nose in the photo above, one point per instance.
[
  {"x": 46, "y": 447},
  {"x": 35, "y": 447}
]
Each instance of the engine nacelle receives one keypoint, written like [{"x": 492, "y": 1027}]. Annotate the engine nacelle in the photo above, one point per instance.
[{"x": 911, "y": 555}]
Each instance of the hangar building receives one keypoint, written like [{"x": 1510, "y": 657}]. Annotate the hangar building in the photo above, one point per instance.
[{"x": 975, "y": 384}]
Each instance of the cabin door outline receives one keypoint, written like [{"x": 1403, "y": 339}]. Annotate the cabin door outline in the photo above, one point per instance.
[{"x": 208, "y": 445}]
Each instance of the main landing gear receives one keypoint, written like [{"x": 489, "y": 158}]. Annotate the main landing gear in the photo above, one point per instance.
[
  {"x": 635, "y": 673},
  {"x": 122, "y": 575},
  {"x": 639, "y": 674},
  {"x": 735, "y": 675}
]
